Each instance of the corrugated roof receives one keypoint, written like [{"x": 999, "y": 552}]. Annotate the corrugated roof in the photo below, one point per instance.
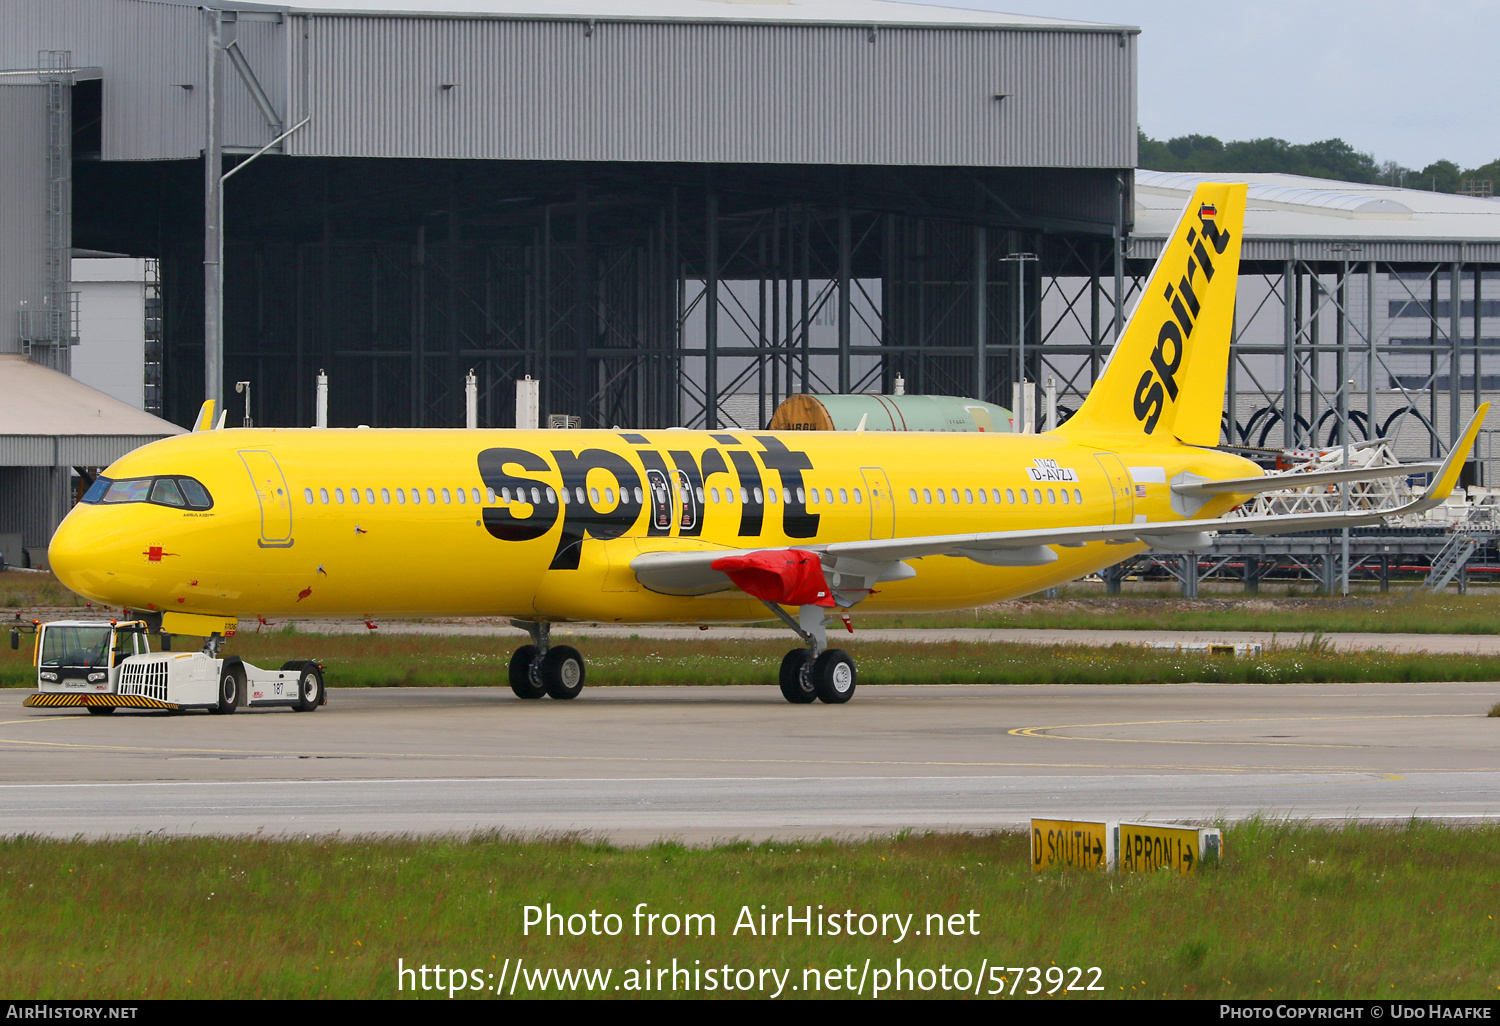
[
  {"x": 1296, "y": 207},
  {"x": 857, "y": 12},
  {"x": 37, "y": 401}
]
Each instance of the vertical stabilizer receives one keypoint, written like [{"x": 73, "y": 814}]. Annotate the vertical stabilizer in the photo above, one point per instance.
[{"x": 1165, "y": 377}]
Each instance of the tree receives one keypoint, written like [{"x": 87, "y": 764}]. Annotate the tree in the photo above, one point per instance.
[
  {"x": 1439, "y": 176},
  {"x": 1331, "y": 158}
]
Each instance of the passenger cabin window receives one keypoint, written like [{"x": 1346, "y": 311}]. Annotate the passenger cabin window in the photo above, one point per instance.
[
  {"x": 354, "y": 496},
  {"x": 1077, "y": 496},
  {"x": 385, "y": 496},
  {"x": 447, "y": 496},
  {"x": 338, "y": 493}
]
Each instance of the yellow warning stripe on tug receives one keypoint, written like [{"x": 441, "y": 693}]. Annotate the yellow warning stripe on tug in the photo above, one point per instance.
[{"x": 116, "y": 701}]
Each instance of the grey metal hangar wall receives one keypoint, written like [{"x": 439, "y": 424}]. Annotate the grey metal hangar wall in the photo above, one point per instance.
[{"x": 560, "y": 190}]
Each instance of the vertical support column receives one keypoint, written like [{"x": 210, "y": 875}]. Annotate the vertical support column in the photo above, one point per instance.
[
  {"x": 451, "y": 363},
  {"x": 1095, "y": 342},
  {"x": 1433, "y": 445},
  {"x": 213, "y": 217},
  {"x": 845, "y": 260},
  {"x": 1455, "y": 348},
  {"x": 1252, "y": 575},
  {"x": 1232, "y": 380},
  {"x": 981, "y": 310},
  {"x": 543, "y": 368},
  {"x": 1341, "y": 355},
  {"x": 1299, "y": 343},
  {"x": 711, "y": 312},
  {"x": 760, "y": 327},
  {"x": 1112, "y": 575},
  {"x": 1314, "y": 356},
  {"x": 1289, "y": 358},
  {"x": 1370, "y": 364},
  {"x": 776, "y": 298},
  {"x": 1189, "y": 563},
  {"x": 1479, "y": 342},
  {"x": 1120, "y": 256},
  {"x": 807, "y": 226},
  {"x": 584, "y": 312},
  {"x": 1385, "y": 574}
]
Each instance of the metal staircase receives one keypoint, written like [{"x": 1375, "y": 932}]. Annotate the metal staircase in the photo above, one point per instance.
[{"x": 1452, "y": 559}]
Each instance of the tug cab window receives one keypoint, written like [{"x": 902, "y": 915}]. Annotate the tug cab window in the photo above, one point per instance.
[{"x": 176, "y": 492}]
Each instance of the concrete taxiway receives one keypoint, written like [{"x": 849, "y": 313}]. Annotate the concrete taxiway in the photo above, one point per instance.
[
  {"x": 705, "y": 763},
  {"x": 1453, "y": 644}
]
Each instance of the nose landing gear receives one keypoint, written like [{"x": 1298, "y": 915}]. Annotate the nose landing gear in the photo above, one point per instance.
[{"x": 542, "y": 668}]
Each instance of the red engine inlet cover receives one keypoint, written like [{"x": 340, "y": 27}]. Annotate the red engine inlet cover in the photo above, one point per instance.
[{"x": 792, "y": 577}]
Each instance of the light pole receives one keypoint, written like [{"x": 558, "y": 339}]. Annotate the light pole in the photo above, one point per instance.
[{"x": 244, "y": 388}]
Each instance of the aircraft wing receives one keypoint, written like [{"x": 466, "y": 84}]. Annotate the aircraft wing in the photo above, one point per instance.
[
  {"x": 1311, "y": 479},
  {"x": 867, "y": 562}
]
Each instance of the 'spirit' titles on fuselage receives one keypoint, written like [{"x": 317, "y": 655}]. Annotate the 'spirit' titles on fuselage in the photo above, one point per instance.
[{"x": 583, "y": 514}]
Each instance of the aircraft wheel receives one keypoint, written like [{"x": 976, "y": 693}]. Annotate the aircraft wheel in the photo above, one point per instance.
[
  {"x": 561, "y": 671},
  {"x": 522, "y": 680},
  {"x": 101, "y": 710},
  {"x": 231, "y": 689},
  {"x": 310, "y": 691},
  {"x": 833, "y": 676},
  {"x": 796, "y": 677}
]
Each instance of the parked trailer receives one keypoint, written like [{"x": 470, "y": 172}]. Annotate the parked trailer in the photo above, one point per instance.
[{"x": 104, "y": 665}]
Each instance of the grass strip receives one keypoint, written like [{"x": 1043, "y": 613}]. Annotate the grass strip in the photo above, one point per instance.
[
  {"x": 396, "y": 660},
  {"x": 1412, "y": 613},
  {"x": 1295, "y": 911}
]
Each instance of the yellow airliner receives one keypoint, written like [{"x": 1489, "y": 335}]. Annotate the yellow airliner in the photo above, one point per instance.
[{"x": 700, "y": 526}]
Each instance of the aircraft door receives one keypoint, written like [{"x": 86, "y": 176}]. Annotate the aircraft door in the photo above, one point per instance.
[
  {"x": 1122, "y": 488},
  {"x": 882, "y": 502},
  {"x": 274, "y": 498}
]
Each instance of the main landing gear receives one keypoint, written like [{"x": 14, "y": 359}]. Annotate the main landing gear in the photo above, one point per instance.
[
  {"x": 542, "y": 668},
  {"x": 817, "y": 672}
]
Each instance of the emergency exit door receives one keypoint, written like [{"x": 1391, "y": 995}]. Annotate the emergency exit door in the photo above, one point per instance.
[
  {"x": 1121, "y": 486},
  {"x": 882, "y": 503}
]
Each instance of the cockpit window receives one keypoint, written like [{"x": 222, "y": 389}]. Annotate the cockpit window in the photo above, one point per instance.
[
  {"x": 134, "y": 490},
  {"x": 177, "y": 492},
  {"x": 166, "y": 492},
  {"x": 96, "y": 490},
  {"x": 197, "y": 495}
]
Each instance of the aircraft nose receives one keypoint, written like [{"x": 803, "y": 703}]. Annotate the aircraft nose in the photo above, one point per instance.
[{"x": 73, "y": 555}]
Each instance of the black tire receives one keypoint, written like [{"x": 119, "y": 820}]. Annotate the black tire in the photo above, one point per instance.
[
  {"x": 562, "y": 671},
  {"x": 522, "y": 680},
  {"x": 231, "y": 689},
  {"x": 834, "y": 677},
  {"x": 101, "y": 710},
  {"x": 796, "y": 677},
  {"x": 310, "y": 690}
]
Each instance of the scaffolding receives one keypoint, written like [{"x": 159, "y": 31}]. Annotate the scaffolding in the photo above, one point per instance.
[{"x": 48, "y": 332}]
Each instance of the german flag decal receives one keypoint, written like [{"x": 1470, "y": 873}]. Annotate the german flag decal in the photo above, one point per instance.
[
  {"x": 1208, "y": 210},
  {"x": 52, "y": 700}
]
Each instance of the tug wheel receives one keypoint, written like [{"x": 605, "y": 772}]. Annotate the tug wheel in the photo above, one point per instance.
[
  {"x": 310, "y": 690},
  {"x": 231, "y": 689}
]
